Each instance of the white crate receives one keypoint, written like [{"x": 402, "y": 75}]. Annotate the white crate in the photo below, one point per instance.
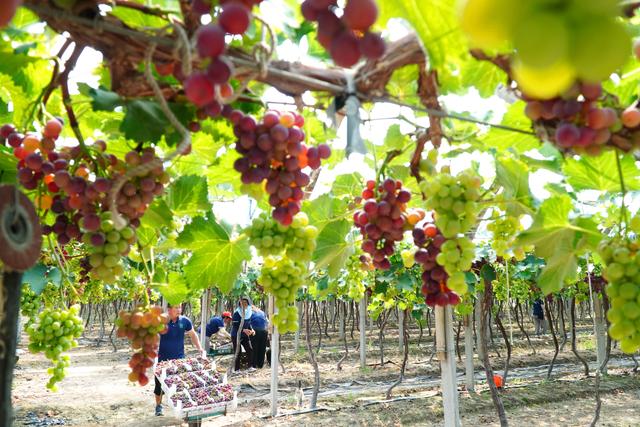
[{"x": 205, "y": 410}]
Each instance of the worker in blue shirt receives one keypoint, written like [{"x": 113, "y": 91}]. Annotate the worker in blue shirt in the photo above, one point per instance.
[
  {"x": 172, "y": 344},
  {"x": 259, "y": 324},
  {"x": 217, "y": 324},
  {"x": 244, "y": 308}
]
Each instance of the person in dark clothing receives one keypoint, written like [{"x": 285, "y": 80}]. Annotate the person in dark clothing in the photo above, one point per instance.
[
  {"x": 259, "y": 325},
  {"x": 172, "y": 345},
  {"x": 538, "y": 317},
  {"x": 244, "y": 307},
  {"x": 217, "y": 324}
]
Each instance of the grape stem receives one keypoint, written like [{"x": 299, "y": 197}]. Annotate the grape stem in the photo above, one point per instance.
[{"x": 623, "y": 189}]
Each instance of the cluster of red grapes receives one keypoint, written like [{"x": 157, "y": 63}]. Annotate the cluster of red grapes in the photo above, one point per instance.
[
  {"x": 273, "y": 150},
  {"x": 142, "y": 327},
  {"x": 384, "y": 218},
  {"x": 347, "y": 38},
  {"x": 577, "y": 121},
  {"x": 69, "y": 184},
  {"x": 428, "y": 238},
  {"x": 136, "y": 194},
  {"x": 208, "y": 88}
]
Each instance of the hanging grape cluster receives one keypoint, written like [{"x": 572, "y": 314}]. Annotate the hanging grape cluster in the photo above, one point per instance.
[
  {"x": 54, "y": 333},
  {"x": 454, "y": 200},
  {"x": 622, "y": 271},
  {"x": 282, "y": 277},
  {"x": 556, "y": 43},
  {"x": 383, "y": 219},
  {"x": 29, "y": 304},
  {"x": 272, "y": 150},
  {"x": 208, "y": 88},
  {"x": 297, "y": 241},
  {"x": 142, "y": 327},
  {"x": 347, "y": 38},
  {"x": 287, "y": 250},
  {"x": 585, "y": 121},
  {"x": 505, "y": 229},
  {"x": 435, "y": 280},
  {"x": 73, "y": 184},
  {"x": 355, "y": 276}
]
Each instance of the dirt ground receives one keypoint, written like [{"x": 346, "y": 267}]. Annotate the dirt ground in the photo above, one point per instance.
[{"x": 96, "y": 391}]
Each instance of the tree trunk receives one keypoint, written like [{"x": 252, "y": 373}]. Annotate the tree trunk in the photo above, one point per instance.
[
  {"x": 553, "y": 334},
  {"x": 573, "y": 337},
  {"x": 520, "y": 322},
  {"x": 468, "y": 352},
  {"x": 312, "y": 359},
  {"x": 562, "y": 323},
  {"x": 405, "y": 356},
  {"x": 487, "y": 301},
  {"x": 296, "y": 339},
  {"x": 10, "y": 290},
  {"x": 507, "y": 343}
]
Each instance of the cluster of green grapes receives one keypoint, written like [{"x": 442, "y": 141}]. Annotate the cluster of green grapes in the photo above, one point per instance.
[
  {"x": 454, "y": 200},
  {"x": 270, "y": 237},
  {"x": 282, "y": 277},
  {"x": 29, "y": 304},
  {"x": 456, "y": 256},
  {"x": 355, "y": 277},
  {"x": 555, "y": 42},
  {"x": 55, "y": 332},
  {"x": 107, "y": 245},
  {"x": 428, "y": 163},
  {"x": 505, "y": 229},
  {"x": 622, "y": 271}
]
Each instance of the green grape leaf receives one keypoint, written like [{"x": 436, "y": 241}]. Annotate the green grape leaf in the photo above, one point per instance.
[
  {"x": 12, "y": 94},
  {"x": 325, "y": 209},
  {"x": 216, "y": 258},
  {"x": 38, "y": 276},
  {"x": 101, "y": 98},
  {"x": 333, "y": 246},
  {"x": 436, "y": 24},
  {"x": 7, "y": 166},
  {"x": 147, "y": 235},
  {"x": 395, "y": 140},
  {"x": 482, "y": 75},
  {"x": 503, "y": 140},
  {"x": 145, "y": 121},
  {"x": 157, "y": 215},
  {"x": 189, "y": 195},
  {"x": 176, "y": 290},
  {"x": 561, "y": 267},
  {"x": 348, "y": 183},
  {"x": 601, "y": 172},
  {"x": 559, "y": 240},
  {"x": 513, "y": 175},
  {"x": 137, "y": 19},
  {"x": 405, "y": 282},
  {"x": 488, "y": 273}
]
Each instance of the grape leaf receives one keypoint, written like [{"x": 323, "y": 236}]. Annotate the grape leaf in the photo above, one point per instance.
[
  {"x": 38, "y": 276},
  {"x": 601, "y": 172},
  {"x": 157, "y": 215},
  {"x": 559, "y": 240},
  {"x": 348, "y": 183},
  {"x": 216, "y": 258},
  {"x": 503, "y": 140},
  {"x": 333, "y": 246},
  {"x": 145, "y": 121},
  {"x": 436, "y": 23},
  {"x": 188, "y": 195},
  {"x": 176, "y": 291},
  {"x": 513, "y": 175}
]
